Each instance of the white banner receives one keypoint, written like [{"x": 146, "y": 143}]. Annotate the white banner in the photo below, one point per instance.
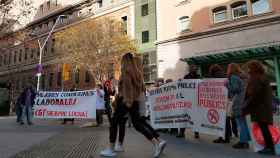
[
  {"x": 196, "y": 104},
  {"x": 172, "y": 104},
  {"x": 77, "y": 104},
  {"x": 211, "y": 107}
]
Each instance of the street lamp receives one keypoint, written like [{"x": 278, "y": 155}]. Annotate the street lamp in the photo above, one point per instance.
[{"x": 39, "y": 67}]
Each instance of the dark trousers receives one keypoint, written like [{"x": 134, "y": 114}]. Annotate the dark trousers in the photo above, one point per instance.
[
  {"x": 108, "y": 110},
  {"x": 68, "y": 119},
  {"x": 122, "y": 128},
  {"x": 234, "y": 126},
  {"x": 19, "y": 113},
  {"x": 139, "y": 124},
  {"x": 266, "y": 135},
  {"x": 99, "y": 117}
]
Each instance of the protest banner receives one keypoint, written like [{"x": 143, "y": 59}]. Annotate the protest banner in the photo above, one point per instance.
[
  {"x": 196, "y": 104},
  {"x": 172, "y": 104},
  {"x": 78, "y": 104},
  {"x": 211, "y": 107}
]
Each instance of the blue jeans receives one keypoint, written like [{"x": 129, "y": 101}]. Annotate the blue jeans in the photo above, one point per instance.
[
  {"x": 27, "y": 112},
  {"x": 243, "y": 129}
]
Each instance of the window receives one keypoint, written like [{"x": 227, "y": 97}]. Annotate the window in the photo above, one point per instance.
[
  {"x": 43, "y": 81},
  {"x": 9, "y": 59},
  {"x": 59, "y": 78},
  {"x": 220, "y": 14},
  {"x": 15, "y": 57},
  {"x": 26, "y": 54},
  {"x": 5, "y": 59},
  {"x": 184, "y": 23},
  {"x": 100, "y": 3},
  {"x": 20, "y": 55},
  {"x": 51, "y": 80},
  {"x": 239, "y": 10},
  {"x": 145, "y": 10},
  {"x": 145, "y": 36},
  {"x": 77, "y": 76},
  {"x": 32, "y": 53},
  {"x": 124, "y": 19},
  {"x": 53, "y": 45},
  {"x": 41, "y": 9},
  {"x": 87, "y": 77},
  {"x": 49, "y": 5},
  {"x": 0, "y": 61},
  {"x": 260, "y": 6}
]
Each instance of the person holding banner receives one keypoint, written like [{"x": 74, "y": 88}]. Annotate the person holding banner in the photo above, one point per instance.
[
  {"x": 100, "y": 104},
  {"x": 193, "y": 74},
  {"x": 259, "y": 103},
  {"x": 236, "y": 93},
  {"x": 27, "y": 102},
  {"x": 131, "y": 86},
  {"x": 216, "y": 71},
  {"x": 109, "y": 91}
]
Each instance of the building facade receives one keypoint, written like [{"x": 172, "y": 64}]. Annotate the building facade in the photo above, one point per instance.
[
  {"x": 18, "y": 60},
  {"x": 217, "y": 32},
  {"x": 146, "y": 35}
]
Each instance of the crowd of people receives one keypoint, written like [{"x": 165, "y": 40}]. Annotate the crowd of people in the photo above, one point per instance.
[{"x": 249, "y": 93}]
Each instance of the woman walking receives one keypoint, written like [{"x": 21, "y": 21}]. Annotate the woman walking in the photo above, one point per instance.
[
  {"x": 236, "y": 91},
  {"x": 131, "y": 86},
  {"x": 259, "y": 102}
]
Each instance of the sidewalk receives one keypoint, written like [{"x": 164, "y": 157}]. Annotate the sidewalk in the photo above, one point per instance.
[
  {"x": 50, "y": 139},
  {"x": 136, "y": 146}
]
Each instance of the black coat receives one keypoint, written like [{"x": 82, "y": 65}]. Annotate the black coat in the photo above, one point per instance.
[
  {"x": 259, "y": 100},
  {"x": 192, "y": 75}
]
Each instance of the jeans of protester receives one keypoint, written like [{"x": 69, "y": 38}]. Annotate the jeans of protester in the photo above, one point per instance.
[
  {"x": 122, "y": 127},
  {"x": 139, "y": 124},
  {"x": 243, "y": 129},
  {"x": 19, "y": 113},
  {"x": 27, "y": 113},
  {"x": 266, "y": 135}
]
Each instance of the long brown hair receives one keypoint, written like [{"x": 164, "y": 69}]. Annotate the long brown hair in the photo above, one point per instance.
[
  {"x": 233, "y": 69},
  {"x": 131, "y": 80}
]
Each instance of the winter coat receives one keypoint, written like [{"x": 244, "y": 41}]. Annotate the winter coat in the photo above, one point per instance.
[
  {"x": 236, "y": 93},
  {"x": 23, "y": 98},
  {"x": 259, "y": 100}
]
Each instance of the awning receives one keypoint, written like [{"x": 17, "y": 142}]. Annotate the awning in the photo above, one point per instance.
[{"x": 235, "y": 56}]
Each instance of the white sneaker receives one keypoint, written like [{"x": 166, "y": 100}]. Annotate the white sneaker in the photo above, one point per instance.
[
  {"x": 159, "y": 148},
  {"x": 108, "y": 153},
  {"x": 119, "y": 147}
]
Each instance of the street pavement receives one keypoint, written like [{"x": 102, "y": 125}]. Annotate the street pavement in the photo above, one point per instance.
[{"x": 50, "y": 139}]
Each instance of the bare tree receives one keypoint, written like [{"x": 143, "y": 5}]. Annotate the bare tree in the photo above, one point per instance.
[
  {"x": 14, "y": 13},
  {"x": 96, "y": 45}
]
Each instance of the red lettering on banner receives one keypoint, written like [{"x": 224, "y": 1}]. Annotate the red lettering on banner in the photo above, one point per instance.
[
  {"x": 78, "y": 114},
  {"x": 165, "y": 98},
  {"x": 56, "y": 113},
  {"x": 66, "y": 101},
  {"x": 173, "y": 106},
  {"x": 40, "y": 112}
]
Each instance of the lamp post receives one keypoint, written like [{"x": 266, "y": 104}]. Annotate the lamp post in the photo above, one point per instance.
[{"x": 39, "y": 67}]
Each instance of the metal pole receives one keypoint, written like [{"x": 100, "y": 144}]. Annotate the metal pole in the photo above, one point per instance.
[{"x": 42, "y": 48}]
